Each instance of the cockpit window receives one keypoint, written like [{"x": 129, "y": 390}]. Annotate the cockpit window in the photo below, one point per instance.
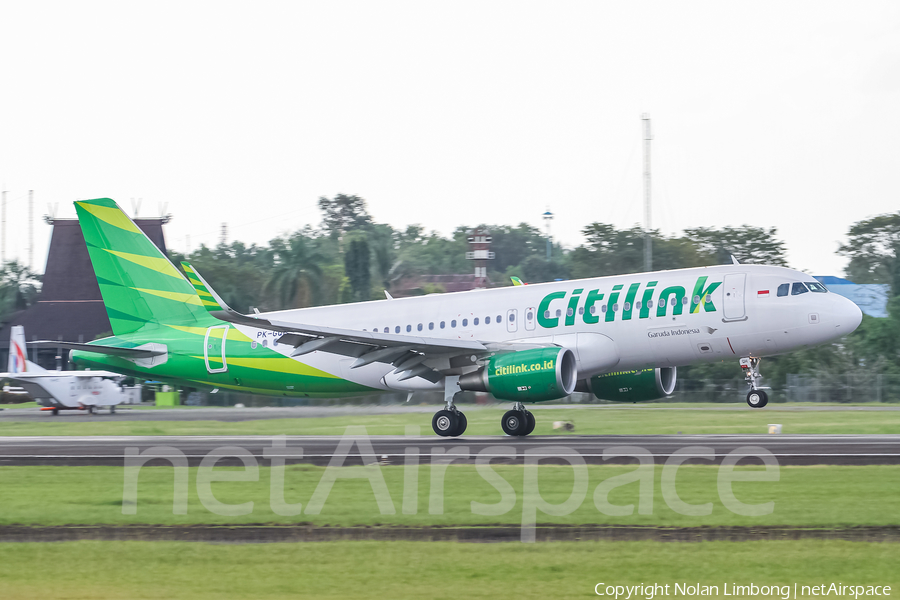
[
  {"x": 783, "y": 289},
  {"x": 815, "y": 286},
  {"x": 798, "y": 288}
]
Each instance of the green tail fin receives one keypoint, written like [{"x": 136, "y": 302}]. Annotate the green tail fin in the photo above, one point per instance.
[{"x": 138, "y": 283}]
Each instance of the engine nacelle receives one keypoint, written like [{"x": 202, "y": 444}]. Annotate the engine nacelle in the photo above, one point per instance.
[
  {"x": 526, "y": 376},
  {"x": 633, "y": 386}
]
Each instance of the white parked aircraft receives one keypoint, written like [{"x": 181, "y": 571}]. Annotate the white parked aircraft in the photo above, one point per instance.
[{"x": 60, "y": 390}]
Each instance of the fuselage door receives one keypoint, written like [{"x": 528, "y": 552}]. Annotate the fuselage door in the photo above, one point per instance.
[
  {"x": 733, "y": 294},
  {"x": 530, "y": 318},
  {"x": 214, "y": 348},
  {"x": 512, "y": 318}
]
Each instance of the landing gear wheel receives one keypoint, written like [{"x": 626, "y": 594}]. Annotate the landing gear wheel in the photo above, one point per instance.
[
  {"x": 515, "y": 422},
  {"x": 530, "y": 423},
  {"x": 757, "y": 399},
  {"x": 55, "y": 412},
  {"x": 91, "y": 409},
  {"x": 112, "y": 410},
  {"x": 461, "y": 425},
  {"x": 445, "y": 423}
]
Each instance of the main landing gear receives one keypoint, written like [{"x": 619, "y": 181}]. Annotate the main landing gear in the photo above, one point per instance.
[
  {"x": 756, "y": 398},
  {"x": 518, "y": 421},
  {"x": 449, "y": 422}
]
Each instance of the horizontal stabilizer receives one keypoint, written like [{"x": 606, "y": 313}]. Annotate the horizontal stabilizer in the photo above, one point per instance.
[
  {"x": 44, "y": 374},
  {"x": 109, "y": 350}
]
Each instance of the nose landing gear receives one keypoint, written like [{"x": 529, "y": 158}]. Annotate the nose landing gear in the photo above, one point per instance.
[{"x": 756, "y": 398}]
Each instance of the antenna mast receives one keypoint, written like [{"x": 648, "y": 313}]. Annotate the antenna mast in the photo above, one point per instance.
[
  {"x": 648, "y": 245},
  {"x": 31, "y": 229},
  {"x": 3, "y": 229}
]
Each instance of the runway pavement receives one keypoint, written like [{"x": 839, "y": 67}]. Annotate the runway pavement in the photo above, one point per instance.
[
  {"x": 321, "y": 450},
  {"x": 230, "y": 414}
]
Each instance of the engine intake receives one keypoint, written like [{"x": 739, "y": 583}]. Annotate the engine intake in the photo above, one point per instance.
[
  {"x": 632, "y": 386},
  {"x": 526, "y": 376}
]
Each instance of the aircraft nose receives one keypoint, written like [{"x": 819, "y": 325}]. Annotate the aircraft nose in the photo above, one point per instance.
[{"x": 847, "y": 315}]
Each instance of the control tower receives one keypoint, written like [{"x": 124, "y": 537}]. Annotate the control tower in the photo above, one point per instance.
[{"x": 480, "y": 252}]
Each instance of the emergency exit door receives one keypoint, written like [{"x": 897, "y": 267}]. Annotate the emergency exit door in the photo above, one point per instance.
[{"x": 214, "y": 348}]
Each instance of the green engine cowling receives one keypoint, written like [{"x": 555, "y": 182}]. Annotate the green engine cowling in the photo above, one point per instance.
[
  {"x": 525, "y": 376},
  {"x": 634, "y": 386}
]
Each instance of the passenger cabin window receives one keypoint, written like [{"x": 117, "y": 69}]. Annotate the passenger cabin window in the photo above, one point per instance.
[
  {"x": 408, "y": 328},
  {"x": 443, "y": 323},
  {"x": 419, "y": 327},
  {"x": 783, "y": 289},
  {"x": 475, "y": 321},
  {"x": 815, "y": 286},
  {"x": 798, "y": 288},
  {"x": 397, "y": 329},
  {"x": 465, "y": 323},
  {"x": 431, "y": 326},
  {"x": 487, "y": 320},
  {"x": 453, "y": 323},
  {"x": 500, "y": 319},
  {"x": 512, "y": 317}
]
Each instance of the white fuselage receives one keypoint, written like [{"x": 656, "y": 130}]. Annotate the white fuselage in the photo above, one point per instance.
[
  {"x": 63, "y": 390},
  {"x": 610, "y": 323}
]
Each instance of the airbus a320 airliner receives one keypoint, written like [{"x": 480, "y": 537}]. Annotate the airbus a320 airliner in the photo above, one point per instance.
[{"x": 620, "y": 338}]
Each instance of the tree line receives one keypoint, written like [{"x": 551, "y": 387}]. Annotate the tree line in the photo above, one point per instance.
[{"x": 348, "y": 257}]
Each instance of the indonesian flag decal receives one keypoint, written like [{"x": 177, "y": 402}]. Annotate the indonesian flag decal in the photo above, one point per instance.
[{"x": 762, "y": 294}]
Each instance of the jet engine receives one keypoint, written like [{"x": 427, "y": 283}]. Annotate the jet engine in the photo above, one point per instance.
[
  {"x": 631, "y": 386},
  {"x": 525, "y": 376}
]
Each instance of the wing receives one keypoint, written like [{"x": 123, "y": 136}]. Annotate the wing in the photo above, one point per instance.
[{"x": 413, "y": 356}]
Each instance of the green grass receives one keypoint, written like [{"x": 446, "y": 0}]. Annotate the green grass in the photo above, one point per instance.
[
  {"x": 486, "y": 421},
  {"x": 400, "y": 570},
  {"x": 20, "y": 405},
  {"x": 832, "y": 496}
]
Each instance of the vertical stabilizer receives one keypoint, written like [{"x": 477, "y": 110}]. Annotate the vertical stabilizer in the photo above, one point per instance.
[
  {"x": 138, "y": 283},
  {"x": 18, "y": 357}
]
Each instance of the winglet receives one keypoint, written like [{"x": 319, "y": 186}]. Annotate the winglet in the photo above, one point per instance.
[
  {"x": 212, "y": 302},
  {"x": 734, "y": 261},
  {"x": 517, "y": 281}
]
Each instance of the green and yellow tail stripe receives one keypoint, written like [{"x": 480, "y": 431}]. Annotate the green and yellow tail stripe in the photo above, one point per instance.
[{"x": 138, "y": 283}]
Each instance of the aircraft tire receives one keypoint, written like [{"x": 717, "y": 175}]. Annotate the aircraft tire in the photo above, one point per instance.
[
  {"x": 757, "y": 399},
  {"x": 461, "y": 425},
  {"x": 531, "y": 423},
  {"x": 515, "y": 423},
  {"x": 55, "y": 412},
  {"x": 445, "y": 423}
]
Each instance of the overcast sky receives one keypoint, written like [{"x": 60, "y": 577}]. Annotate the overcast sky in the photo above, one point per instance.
[{"x": 446, "y": 113}]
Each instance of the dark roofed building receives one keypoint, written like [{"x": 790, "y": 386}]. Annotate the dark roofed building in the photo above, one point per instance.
[{"x": 70, "y": 307}]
